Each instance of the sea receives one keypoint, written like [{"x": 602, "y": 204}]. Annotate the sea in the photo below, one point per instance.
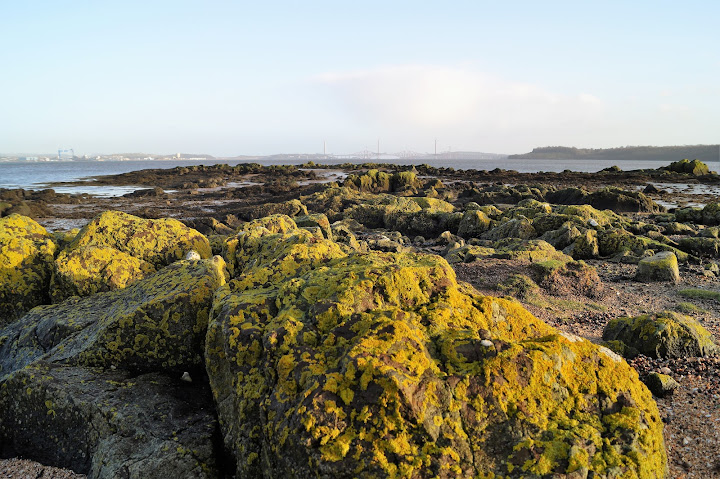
[{"x": 38, "y": 175}]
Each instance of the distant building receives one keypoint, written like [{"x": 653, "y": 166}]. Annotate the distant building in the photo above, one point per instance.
[{"x": 28, "y": 158}]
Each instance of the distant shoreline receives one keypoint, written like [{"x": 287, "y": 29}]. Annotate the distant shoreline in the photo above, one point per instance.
[{"x": 705, "y": 153}]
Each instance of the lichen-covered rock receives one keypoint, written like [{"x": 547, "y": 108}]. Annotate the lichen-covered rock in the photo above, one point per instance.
[
  {"x": 532, "y": 250},
  {"x": 662, "y": 335},
  {"x": 515, "y": 228},
  {"x": 289, "y": 208},
  {"x": 156, "y": 323},
  {"x": 473, "y": 224},
  {"x": 109, "y": 424},
  {"x": 661, "y": 385},
  {"x": 528, "y": 208},
  {"x": 317, "y": 219},
  {"x": 116, "y": 248},
  {"x": 324, "y": 364},
  {"x": 620, "y": 200},
  {"x": 701, "y": 246},
  {"x": 88, "y": 270},
  {"x": 689, "y": 215},
  {"x": 584, "y": 246},
  {"x": 662, "y": 266},
  {"x": 711, "y": 214},
  {"x": 694, "y": 167},
  {"x": 158, "y": 241},
  {"x": 586, "y": 213},
  {"x": 26, "y": 255}
]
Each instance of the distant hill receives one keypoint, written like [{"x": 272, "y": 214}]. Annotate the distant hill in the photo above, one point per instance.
[{"x": 706, "y": 153}]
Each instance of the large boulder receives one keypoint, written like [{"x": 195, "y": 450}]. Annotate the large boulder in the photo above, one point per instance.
[
  {"x": 661, "y": 335},
  {"x": 324, "y": 364},
  {"x": 26, "y": 255},
  {"x": 115, "y": 249},
  {"x": 109, "y": 424},
  {"x": 158, "y": 323},
  {"x": 620, "y": 200}
]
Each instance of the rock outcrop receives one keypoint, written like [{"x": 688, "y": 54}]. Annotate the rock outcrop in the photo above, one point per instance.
[
  {"x": 324, "y": 364},
  {"x": 26, "y": 254},
  {"x": 115, "y": 249}
]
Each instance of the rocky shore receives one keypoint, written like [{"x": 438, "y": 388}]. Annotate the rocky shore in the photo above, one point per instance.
[{"x": 364, "y": 321}]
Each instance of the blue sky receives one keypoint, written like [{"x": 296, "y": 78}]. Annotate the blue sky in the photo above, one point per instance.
[{"x": 230, "y": 78}]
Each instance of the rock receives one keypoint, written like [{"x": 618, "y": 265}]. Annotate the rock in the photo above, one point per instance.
[
  {"x": 533, "y": 251},
  {"x": 619, "y": 200},
  {"x": 663, "y": 266},
  {"x": 290, "y": 208},
  {"x": 473, "y": 224},
  {"x": 528, "y": 208},
  {"x": 662, "y": 335},
  {"x": 333, "y": 365},
  {"x": 87, "y": 270},
  {"x": 661, "y": 385},
  {"x": 711, "y": 214},
  {"x": 701, "y": 246},
  {"x": 689, "y": 215},
  {"x": 694, "y": 167},
  {"x": 585, "y": 246},
  {"x": 193, "y": 255},
  {"x": 109, "y": 424},
  {"x": 317, "y": 219},
  {"x": 157, "y": 323},
  {"x": 515, "y": 228},
  {"x": 115, "y": 249},
  {"x": 26, "y": 255}
]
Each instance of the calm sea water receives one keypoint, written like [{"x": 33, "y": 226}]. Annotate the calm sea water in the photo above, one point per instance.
[{"x": 37, "y": 175}]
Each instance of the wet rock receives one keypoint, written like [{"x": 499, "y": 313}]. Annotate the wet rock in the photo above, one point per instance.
[
  {"x": 662, "y": 266},
  {"x": 333, "y": 365},
  {"x": 26, "y": 255},
  {"x": 666, "y": 335},
  {"x": 109, "y": 424},
  {"x": 661, "y": 385}
]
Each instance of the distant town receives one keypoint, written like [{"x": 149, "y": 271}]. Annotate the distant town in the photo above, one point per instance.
[{"x": 69, "y": 155}]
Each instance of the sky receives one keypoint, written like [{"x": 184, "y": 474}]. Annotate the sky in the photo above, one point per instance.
[{"x": 254, "y": 78}]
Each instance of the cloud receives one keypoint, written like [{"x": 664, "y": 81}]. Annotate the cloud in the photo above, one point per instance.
[{"x": 457, "y": 101}]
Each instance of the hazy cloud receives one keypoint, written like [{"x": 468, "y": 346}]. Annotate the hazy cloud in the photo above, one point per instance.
[{"x": 458, "y": 102}]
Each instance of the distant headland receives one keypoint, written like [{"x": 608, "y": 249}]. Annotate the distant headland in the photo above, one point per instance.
[{"x": 707, "y": 153}]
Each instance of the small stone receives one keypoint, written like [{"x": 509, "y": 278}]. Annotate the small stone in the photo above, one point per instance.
[
  {"x": 686, "y": 441},
  {"x": 192, "y": 255},
  {"x": 661, "y": 385},
  {"x": 593, "y": 223},
  {"x": 666, "y": 370},
  {"x": 186, "y": 377},
  {"x": 486, "y": 343}
]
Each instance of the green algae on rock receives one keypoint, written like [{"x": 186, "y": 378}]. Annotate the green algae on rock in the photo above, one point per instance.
[
  {"x": 26, "y": 254},
  {"x": 662, "y": 335},
  {"x": 324, "y": 364},
  {"x": 158, "y": 323}
]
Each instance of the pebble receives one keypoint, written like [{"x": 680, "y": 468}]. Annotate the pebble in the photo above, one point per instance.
[
  {"x": 186, "y": 377},
  {"x": 192, "y": 255},
  {"x": 486, "y": 343}
]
